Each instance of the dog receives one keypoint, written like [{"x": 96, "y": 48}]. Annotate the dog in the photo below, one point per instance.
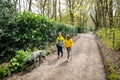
[{"x": 32, "y": 60}]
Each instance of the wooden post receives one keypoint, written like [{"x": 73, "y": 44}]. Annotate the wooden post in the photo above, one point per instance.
[{"x": 114, "y": 39}]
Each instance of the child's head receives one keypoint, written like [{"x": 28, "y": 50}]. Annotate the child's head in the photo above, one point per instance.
[
  {"x": 68, "y": 37},
  {"x": 59, "y": 34}
]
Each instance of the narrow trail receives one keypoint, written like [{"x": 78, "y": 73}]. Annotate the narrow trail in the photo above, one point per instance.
[{"x": 86, "y": 64}]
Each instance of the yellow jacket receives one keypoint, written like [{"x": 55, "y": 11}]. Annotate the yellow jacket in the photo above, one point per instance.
[
  {"x": 61, "y": 38},
  {"x": 68, "y": 43}
]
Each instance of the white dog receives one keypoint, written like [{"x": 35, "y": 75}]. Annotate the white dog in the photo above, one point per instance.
[{"x": 33, "y": 58}]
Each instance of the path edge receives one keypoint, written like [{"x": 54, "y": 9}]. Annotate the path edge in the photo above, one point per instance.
[{"x": 101, "y": 54}]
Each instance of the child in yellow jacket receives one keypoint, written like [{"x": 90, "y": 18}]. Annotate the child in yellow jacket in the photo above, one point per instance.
[
  {"x": 68, "y": 45},
  {"x": 59, "y": 43}
]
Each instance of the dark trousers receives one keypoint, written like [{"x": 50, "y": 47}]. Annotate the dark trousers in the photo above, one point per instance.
[
  {"x": 68, "y": 52},
  {"x": 60, "y": 50}
]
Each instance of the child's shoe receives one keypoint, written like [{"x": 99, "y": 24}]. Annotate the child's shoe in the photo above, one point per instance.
[
  {"x": 61, "y": 55},
  {"x": 67, "y": 60},
  {"x": 58, "y": 57}
]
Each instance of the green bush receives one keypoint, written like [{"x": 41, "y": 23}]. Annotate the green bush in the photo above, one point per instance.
[
  {"x": 7, "y": 14},
  {"x": 17, "y": 63},
  {"x": 4, "y": 69},
  {"x": 106, "y": 35},
  {"x": 114, "y": 76},
  {"x": 45, "y": 53},
  {"x": 29, "y": 30}
]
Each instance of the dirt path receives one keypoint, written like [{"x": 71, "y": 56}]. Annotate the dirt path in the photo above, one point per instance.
[{"x": 86, "y": 64}]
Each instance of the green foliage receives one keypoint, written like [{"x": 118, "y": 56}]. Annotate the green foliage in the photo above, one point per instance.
[
  {"x": 29, "y": 30},
  {"x": 45, "y": 53},
  {"x": 7, "y": 11},
  {"x": 7, "y": 14},
  {"x": 112, "y": 75},
  {"x": 49, "y": 49},
  {"x": 112, "y": 62},
  {"x": 3, "y": 71},
  {"x": 17, "y": 63},
  {"x": 107, "y": 36}
]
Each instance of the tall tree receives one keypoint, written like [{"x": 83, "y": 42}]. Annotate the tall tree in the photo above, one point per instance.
[
  {"x": 30, "y": 4},
  {"x": 60, "y": 15},
  {"x": 48, "y": 8},
  {"x": 19, "y": 5},
  {"x": 73, "y": 6},
  {"x": 111, "y": 13},
  {"x": 117, "y": 14},
  {"x": 54, "y": 15},
  {"x": 15, "y": 3},
  {"x": 101, "y": 13},
  {"x": 42, "y": 5}
]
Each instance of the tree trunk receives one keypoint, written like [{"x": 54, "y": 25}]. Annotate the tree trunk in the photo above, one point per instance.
[
  {"x": 19, "y": 6},
  {"x": 24, "y": 5},
  {"x": 60, "y": 11},
  {"x": 97, "y": 15},
  {"x": 71, "y": 8},
  {"x": 71, "y": 17},
  {"x": 111, "y": 13},
  {"x": 118, "y": 14},
  {"x": 54, "y": 9},
  {"x": 48, "y": 8},
  {"x": 30, "y": 4},
  {"x": 44, "y": 3},
  {"x": 105, "y": 12},
  {"x": 15, "y": 3}
]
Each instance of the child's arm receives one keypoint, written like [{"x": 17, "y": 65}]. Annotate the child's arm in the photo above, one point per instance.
[{"x": 56, "y": 40}]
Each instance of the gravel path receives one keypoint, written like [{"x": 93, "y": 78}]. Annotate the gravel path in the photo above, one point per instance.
[{"x": 86, "y": 64}]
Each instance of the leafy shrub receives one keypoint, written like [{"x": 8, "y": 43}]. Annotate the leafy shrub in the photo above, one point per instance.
[
  {"x": 45, "y": 53},
  {"x": 4, "y": 69},
  {"x": 29, "y": 30},
  {"x": 7, "y": 13},
  {"x": 106, "y": 35},
  {"x": 114, "y": 76},
  {"x": 17, "y": 63}
]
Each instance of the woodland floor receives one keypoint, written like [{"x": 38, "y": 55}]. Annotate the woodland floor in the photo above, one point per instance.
[{"x": 86, "y": 63}]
